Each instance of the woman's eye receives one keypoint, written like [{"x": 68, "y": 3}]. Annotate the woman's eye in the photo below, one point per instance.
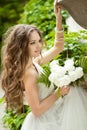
[{"x": 32, "y": 43}]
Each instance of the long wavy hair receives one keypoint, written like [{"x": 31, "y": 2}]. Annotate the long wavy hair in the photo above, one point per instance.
[{"x": 15, "y": 56}]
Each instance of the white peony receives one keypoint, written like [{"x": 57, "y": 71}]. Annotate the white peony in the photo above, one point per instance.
[
  {"x": 60, "y": 82},
  {"x": 57, "y": 82},
  {"x": 69, "y": 67},
  {"x": 69, "y": 62},
  {"x": 73, "y": 76},
  {"x": 64, "y": 75},
  {"x": 52, "y": 77},
  {"x": 65, "y": 80},
  {"x": 53, "y": 63},
  {"x": 60, "y": 71},
  {"x": 53, "y": 68},
  {"x": 79, "y": 72}
]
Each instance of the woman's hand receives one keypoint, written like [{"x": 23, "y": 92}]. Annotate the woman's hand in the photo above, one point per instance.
[
  {"x": 64, "y": 90},
  {"x": 57, "y": 11},
  {"x": 60, "y": 92}
]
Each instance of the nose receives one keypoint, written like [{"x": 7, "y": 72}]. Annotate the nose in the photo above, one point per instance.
[{"x": 39, "y": 45}]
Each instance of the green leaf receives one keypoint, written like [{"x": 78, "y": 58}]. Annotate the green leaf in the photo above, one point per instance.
[
  {"x": 13, "y": 120},
  {"x": 2, "y": 100},
  {"x": 44, "y": 76},
  {"x": 83, "y": 63}
]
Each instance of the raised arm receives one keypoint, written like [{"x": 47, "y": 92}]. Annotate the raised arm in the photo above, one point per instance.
[{"x": 59, "y": 37}]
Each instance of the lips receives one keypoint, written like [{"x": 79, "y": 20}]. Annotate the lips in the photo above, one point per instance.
[{"x": 37, "y": 52}]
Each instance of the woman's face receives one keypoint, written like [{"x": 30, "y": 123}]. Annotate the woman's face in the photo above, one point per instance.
[{"x": 35, "y": 44}]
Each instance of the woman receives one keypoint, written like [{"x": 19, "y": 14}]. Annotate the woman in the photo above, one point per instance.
[{"x": 22, "y": 59}]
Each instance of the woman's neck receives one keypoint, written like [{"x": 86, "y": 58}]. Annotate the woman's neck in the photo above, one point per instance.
[{"x": 30, "y": 62}]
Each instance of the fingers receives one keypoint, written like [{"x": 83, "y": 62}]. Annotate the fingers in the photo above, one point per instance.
[
  {"x": 65, "y": 90},
  {"x": 57, "y": 8},
  {"x": 67, "y": 87}
]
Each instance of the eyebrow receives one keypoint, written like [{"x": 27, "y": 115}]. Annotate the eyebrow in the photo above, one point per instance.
[{"x": 34, "y": 40}]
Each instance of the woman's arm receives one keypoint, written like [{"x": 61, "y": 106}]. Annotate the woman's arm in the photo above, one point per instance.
[
  {"x": 59, "y": 38},
  {"x": 31, "y": 90}
]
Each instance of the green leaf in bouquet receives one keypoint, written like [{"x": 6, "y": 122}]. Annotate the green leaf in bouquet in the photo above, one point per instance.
[
  {"x": 83, "y": 63},
  {"x": 2, "y": 100},
  {"x": 44, "y": 76}
]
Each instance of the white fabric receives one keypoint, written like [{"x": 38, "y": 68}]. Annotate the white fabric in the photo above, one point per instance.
[{"x": 69, "y": 113}]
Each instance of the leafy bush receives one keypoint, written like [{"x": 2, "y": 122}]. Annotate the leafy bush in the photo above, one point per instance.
[
  {"x": 14, "y": 121},
  {"x": 13, "y": 9},
  {"x": 41, "y": 14},
  {"x": 10, "y": 13},
  {"x": 75, "y": 44}
]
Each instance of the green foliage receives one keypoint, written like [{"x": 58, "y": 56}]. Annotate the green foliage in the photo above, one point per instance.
[
  {"x": 2, "y": 100},
  {"x": 75, "y": 45},
  {"x": 10, "y": 13},
  {"x": 0, "y": 55},
  {"x": 14, "y": 121},
  {"x": 41, "y": 14},
  {"x": 44, "y": 76},
  {"x": 83, "y": 63}
]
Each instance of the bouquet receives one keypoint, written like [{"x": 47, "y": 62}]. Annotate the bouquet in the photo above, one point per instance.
[
  {"x": 64, "y": 75},
  {"x": 69, "y": 72}
]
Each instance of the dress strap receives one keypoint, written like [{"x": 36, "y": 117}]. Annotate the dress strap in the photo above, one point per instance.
[{"x": 38, "y": 67}]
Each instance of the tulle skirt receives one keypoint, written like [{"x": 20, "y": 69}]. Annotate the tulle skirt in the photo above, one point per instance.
[{"x": 69, "y": 113}]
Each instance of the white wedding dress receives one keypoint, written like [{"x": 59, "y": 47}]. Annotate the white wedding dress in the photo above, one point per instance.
[{"x": 68, "y": 113}]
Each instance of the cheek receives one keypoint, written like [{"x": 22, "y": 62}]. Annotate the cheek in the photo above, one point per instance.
[{"x": 30, "y": 49}]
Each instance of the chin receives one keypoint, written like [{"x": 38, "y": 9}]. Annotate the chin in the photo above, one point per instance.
[{"x": 37, "y": 55}]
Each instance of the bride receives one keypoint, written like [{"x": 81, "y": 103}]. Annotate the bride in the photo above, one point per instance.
[{"x": 22, "y": 62}]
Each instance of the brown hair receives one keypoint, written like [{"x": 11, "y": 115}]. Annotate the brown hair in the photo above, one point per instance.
[{"x": 15, "y": 56}]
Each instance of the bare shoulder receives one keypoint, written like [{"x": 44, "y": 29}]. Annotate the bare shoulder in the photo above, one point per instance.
[
  {"x": 30, "y": 76},
  {"x": 30, "y": 84},
  {"x": 31, "y": 73}
]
